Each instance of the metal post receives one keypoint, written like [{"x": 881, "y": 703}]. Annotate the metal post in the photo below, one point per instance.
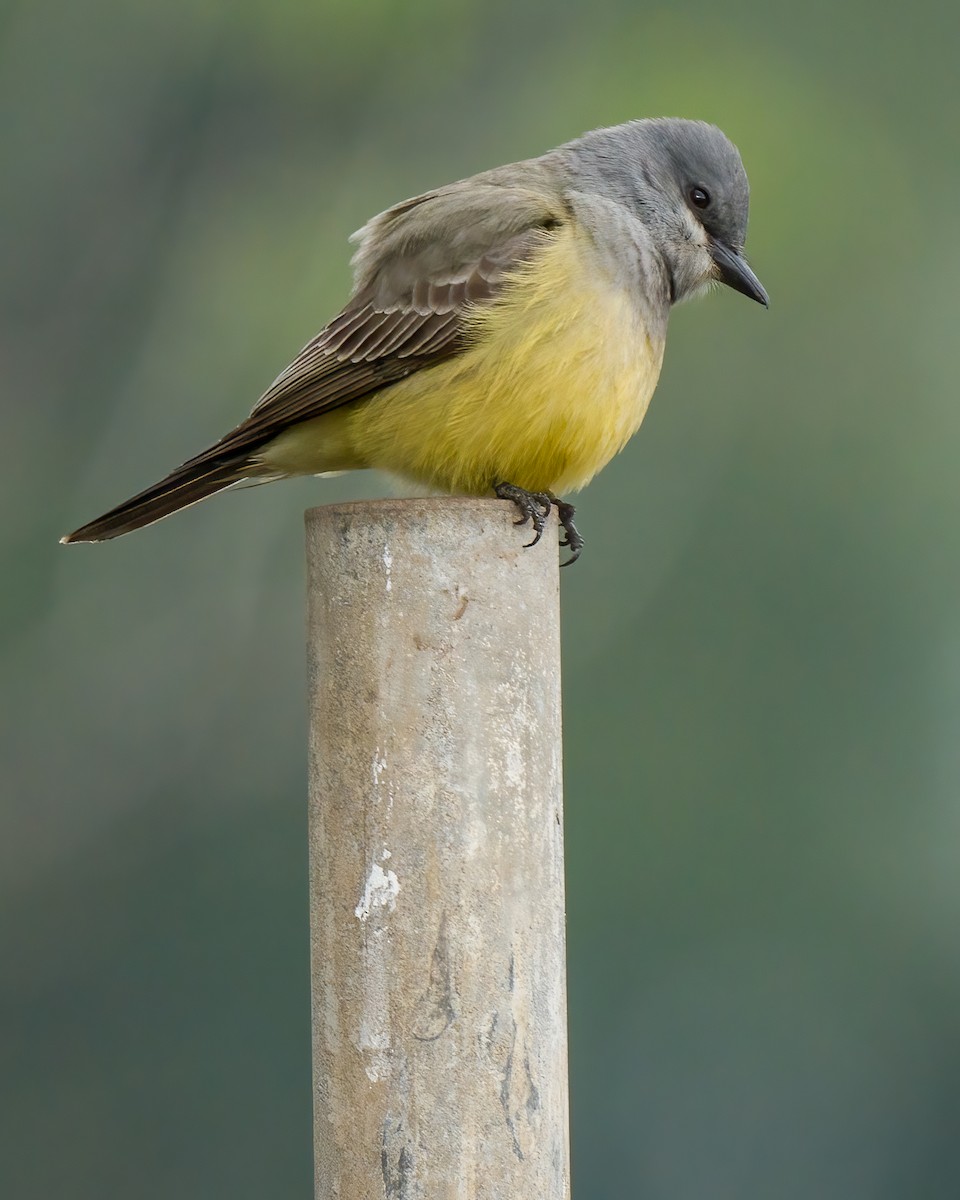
[{"x": 436, "y": 854}]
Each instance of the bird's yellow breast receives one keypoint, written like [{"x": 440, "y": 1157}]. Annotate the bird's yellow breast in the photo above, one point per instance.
[{"x": 556, "y": 378}]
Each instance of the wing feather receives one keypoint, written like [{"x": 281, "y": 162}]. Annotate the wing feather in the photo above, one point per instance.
[{"x": 408, "y": 310}]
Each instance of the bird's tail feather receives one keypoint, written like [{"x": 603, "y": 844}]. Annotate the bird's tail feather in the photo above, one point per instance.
[{"x": 188, "y": 484}]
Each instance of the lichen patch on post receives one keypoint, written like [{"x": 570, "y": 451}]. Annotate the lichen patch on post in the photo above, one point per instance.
[
  {"x": 378, "y": 766},
  {"x": 380, "y": 891}
]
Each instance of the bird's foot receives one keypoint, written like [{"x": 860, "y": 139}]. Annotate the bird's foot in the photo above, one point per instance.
[
  {"x": 535, "y": 508},
  {"x": 574, "y": 538},
  {"x": 532, "y": 506}
]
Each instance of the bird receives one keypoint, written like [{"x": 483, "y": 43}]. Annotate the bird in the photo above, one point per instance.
[{"x": 504, "y": 334}]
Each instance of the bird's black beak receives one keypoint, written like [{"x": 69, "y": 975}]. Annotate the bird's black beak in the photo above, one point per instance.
[{"x": 736, "y": 274}]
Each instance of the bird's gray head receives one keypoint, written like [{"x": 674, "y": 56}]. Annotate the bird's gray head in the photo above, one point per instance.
[{"x": 686, "y": 183}]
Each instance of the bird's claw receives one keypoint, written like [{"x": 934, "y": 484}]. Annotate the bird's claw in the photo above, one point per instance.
[
  {"x": 532, "y": 506},
  {"x": 535, "y": 508},
  {"x": 574, "y": 538}
]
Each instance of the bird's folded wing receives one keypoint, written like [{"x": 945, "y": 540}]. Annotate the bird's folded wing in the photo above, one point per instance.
[{"x": 419, "y": 268}]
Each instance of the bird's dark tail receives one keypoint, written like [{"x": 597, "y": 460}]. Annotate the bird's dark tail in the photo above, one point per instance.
[{"x": 194, "y": 481}]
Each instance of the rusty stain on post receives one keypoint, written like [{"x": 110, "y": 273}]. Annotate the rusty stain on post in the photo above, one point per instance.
[{"x": 436, "y": 854}]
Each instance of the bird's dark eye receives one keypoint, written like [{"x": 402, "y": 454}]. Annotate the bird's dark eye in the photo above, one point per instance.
[{"x": 699, "y": 198}]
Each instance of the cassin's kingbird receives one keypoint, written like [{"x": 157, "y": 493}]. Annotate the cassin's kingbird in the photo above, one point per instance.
[{"x": 505, "y": 333}]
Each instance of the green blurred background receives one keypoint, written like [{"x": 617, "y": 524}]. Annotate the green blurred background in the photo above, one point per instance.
[{"x": 762, "y": 641}]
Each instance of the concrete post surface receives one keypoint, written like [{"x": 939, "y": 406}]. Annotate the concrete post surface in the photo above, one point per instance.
[{"x": 436, "y": 854}]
